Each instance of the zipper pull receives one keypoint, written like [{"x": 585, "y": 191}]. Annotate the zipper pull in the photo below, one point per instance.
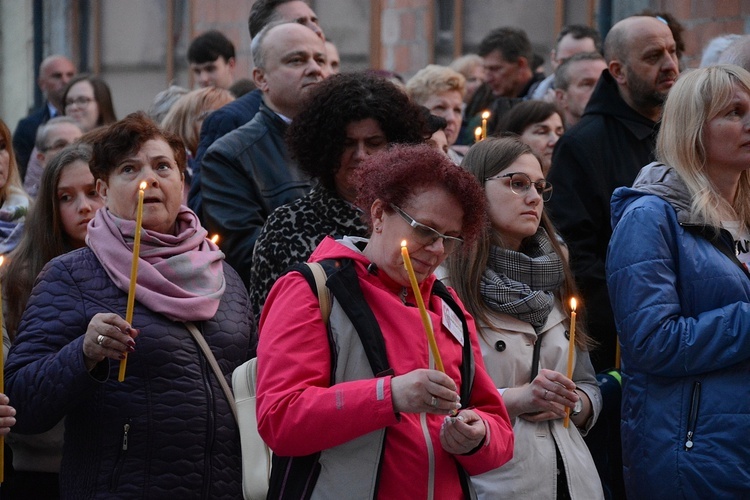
[
  {"x": 404, "y": 292},
  {"x": 689, "y": 442},
  {"x": 126, "y": 429}
]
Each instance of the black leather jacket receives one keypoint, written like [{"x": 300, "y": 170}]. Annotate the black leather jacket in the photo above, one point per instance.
[{"x": 245, "y": 176}]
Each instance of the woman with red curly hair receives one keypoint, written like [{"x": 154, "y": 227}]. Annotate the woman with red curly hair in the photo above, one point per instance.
[{"x": 403, "y": 432}]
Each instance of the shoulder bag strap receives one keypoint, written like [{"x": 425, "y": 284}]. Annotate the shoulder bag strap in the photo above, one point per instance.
[
  {"x": 324, "y": 297},
  {"x": 214, "y": 365}
]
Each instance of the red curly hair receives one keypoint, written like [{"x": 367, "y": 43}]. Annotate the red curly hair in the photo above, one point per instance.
[{"x": 396, "y": 174}]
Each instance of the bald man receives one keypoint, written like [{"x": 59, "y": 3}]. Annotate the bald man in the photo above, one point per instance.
[
  {"x": 54, "y": 74},
  {"x": 248, "y": 173},
  {"x": 604, "y": 151}
]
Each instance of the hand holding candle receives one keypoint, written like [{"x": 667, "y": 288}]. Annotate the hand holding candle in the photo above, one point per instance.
[
  {"x": 133, "y": 272},
  {"x": 422, "y": 310},
  {"x": 571, "y": 350}
]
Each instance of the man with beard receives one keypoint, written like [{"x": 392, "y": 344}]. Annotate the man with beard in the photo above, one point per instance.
[
  {"x": 248, "y": 173},
  {"x": 605, "y": 150}
]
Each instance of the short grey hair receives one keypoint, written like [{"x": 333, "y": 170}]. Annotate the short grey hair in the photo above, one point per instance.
[
  {"x": 257, "y": 50},
  {"x": 42, "y": 133}
]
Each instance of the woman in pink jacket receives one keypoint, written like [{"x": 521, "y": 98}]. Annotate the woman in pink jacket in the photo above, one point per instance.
[{"x": 404, "y": 433}]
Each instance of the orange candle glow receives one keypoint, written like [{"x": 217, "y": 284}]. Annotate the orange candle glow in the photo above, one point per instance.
[
  {"x": 215, "y": 239},
  {"x": 133, "y": 272},
  {"x": 571, "y": 350},
  {"x": 478, "y": 134},
  {"x": 485, "y": 117},
  {"x": 422, "y": 310}
]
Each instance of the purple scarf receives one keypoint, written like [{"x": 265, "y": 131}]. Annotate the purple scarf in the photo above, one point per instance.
[{"x": 179, "y": 276}]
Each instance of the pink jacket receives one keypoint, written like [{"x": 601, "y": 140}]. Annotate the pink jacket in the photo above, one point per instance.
[{"x": 299, "y": 414}]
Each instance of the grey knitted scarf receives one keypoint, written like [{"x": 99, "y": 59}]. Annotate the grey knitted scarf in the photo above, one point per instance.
[{"x": 522, "y": 284}]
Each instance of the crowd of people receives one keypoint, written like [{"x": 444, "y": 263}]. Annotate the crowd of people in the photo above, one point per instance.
[{"x": 451, "y": 362}]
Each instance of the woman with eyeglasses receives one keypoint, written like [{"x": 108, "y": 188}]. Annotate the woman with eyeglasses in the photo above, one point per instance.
[
  {"x": 516, "y": 283},
  {"x": 402, "y": 433},
  {"x": 88, "y": 100}
]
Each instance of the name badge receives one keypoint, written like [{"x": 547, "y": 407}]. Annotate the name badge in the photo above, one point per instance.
[{"x": 452, "y": 323}]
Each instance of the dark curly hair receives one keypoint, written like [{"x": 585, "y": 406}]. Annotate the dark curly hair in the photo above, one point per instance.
[
  {"x": 396, "y": 174},
  {"x": 112, "y": 144},
  {"x": 317, "y": 134}
]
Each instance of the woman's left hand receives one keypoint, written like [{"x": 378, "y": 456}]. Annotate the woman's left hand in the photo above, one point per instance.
[{"x": 463, "y": 433}]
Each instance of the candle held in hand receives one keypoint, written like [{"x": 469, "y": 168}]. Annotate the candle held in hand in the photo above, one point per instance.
[
  {"x": 133, "y": 272},
  {"x": 422, "y": 309},
  {"x": 571, "y": 350},
  {"x": 485, "y": 117}
]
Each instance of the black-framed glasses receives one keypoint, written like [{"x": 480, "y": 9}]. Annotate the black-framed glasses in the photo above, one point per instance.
[
  {"x": 425, "y": 235},
  {"x": 520, "y": 184}
]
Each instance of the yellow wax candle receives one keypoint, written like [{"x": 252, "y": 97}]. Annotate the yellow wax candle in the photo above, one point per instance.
[
  {"x": 571, "y": 350},
  {"x": 2, "y": 382},
  {"x": 422, "y": 310},
  {"x": 133, "y": 272},
  {"x": 478, "y": 134},
  {"x": 485, "y": 117}
]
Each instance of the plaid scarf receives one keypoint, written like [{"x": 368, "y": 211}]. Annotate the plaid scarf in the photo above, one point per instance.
[{"x": 522, "y": 284}]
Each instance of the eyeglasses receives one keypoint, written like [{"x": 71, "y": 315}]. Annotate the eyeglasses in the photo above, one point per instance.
[
  {"x": 425, "y": 235},
  {"x": 81, "y": 101},
  {"x": 520, "y": 184}
]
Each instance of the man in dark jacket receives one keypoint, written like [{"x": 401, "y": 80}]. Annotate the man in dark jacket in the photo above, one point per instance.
[
  {"x": 54, "y": 74},
  {"x": 241, "y": 111},
  {"x": 604, "y": 151},
  {"x": 248, "y": 173}
]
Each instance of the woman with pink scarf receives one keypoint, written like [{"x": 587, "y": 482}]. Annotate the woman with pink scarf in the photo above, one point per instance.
[{"x": 167, "y": 430}]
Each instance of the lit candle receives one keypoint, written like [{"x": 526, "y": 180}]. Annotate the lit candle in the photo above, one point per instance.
[
  {"x": 571, "y": 349},
  {"x": 422, "y": 310},
  {"x": 2, "y": 381},
  {"x": 485, "y": 117},
  {"x": 477, "y": 134},
  {"x": 215, "y": 239},
  {"x": 133, "y": 272}
]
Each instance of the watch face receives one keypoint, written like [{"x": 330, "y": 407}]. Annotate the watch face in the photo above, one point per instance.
[{"x": 578, "y": 408}]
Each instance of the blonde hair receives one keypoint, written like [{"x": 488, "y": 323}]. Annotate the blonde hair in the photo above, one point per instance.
[
  {"x": 434, "y": 79},
  {"x": 188, "y": 112},
  {"x": 698, "y": 97},
  {"x": 466, "y": 63}
]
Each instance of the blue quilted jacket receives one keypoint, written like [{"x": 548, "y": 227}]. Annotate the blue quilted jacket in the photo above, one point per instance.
[
  {"x": 682, "y": 308},
  {"x": 165, "y": 432}
]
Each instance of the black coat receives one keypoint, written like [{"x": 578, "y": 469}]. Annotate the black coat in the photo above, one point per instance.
[
  {"x": 25, "y": 136},
  {"x": 604, "y": 151}
]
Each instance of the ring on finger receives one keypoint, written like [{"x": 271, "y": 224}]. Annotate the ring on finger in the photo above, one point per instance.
[
  {"x": 433, "y": 402},
  {"x": 546, "y": 391},
  {"x": 100, "y": 339}
]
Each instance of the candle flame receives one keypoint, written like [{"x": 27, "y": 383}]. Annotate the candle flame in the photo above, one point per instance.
[
  {"x": 403, "y": 243},
  {"x": 485, "y": 115},
  {"x": 215, "y": 239},
  {"x": 143, "y": 186},
  {"x": 573, "y": 304},
  {"x": 478, "y": 131},
  {"x": 2, "y": 259}
]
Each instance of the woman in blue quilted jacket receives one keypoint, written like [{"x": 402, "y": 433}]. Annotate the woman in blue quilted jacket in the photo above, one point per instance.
[
  {"x": 680, "y": 291},
  {"x": 167, "y": 430}
]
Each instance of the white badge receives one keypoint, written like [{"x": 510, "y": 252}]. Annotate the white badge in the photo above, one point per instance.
[{"x": 452, "y": 323}]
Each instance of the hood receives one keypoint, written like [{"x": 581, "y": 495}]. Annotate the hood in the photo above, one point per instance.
[
  {"x": 348, "y": 247},
  {"x": 606, "y": 100},
  {"x": 659, "y": 180}
]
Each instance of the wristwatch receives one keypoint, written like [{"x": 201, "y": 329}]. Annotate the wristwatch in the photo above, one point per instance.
[{"x": 578, "y": 408}]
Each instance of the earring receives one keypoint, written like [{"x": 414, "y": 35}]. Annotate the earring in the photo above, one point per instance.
[{"x": 377, "y": 229}]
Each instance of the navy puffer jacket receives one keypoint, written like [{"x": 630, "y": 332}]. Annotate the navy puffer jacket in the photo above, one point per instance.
[{"x": 167, "y": 431}]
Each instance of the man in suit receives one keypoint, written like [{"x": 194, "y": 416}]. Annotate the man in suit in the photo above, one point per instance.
[{"x": 54, "y": 74}]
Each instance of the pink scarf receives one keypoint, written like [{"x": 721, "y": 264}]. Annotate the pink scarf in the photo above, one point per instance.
[{"x": 179, "y": 276}]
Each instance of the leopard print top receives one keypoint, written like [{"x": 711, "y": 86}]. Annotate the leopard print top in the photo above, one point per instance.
[{"x": 292, "y": 232}]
